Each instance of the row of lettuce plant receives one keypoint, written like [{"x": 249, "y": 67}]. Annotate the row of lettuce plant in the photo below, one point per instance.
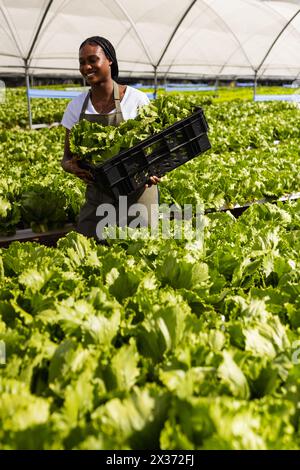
[
  {"x": 152, "y": 342},
  {"x": 254, "y": 155}
]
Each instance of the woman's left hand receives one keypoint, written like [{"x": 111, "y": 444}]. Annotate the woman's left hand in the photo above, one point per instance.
[{"x": 153, "y": 180}]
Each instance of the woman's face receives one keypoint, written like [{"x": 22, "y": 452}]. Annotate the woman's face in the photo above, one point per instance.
[{"x": 94, "y": 66}]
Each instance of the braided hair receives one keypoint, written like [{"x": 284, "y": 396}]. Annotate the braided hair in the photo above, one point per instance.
[{"x": 109, "y": 51}]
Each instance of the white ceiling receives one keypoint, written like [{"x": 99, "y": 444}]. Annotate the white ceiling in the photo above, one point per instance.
[{"x": 181, "y": 38}]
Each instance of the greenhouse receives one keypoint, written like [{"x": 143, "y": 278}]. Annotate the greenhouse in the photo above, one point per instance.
[{"x": 150, "y": 225}]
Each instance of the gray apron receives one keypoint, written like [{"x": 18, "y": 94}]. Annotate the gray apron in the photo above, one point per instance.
[{"x": 96, "y": 195}]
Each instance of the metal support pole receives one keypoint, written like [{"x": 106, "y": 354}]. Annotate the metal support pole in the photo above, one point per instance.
[
  {"x": 165, "y": 82},
  {"x": 155, "y": 82},
  {"x": 255, "y": 85},
  {"x": 27, "y": 93}
]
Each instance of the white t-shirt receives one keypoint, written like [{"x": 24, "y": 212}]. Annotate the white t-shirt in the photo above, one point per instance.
[{"x": 130, "y": 103}]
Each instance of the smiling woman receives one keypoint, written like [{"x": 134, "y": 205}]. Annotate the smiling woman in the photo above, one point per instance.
[{"x": 110, "y": 104}]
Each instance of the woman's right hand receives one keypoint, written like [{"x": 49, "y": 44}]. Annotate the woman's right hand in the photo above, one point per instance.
[{"x": 72, "y": 166}]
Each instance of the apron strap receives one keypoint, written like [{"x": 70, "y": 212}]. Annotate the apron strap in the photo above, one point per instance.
[
  {"x": 117, "y": 97},
  {"x": 85, "y": 105}
]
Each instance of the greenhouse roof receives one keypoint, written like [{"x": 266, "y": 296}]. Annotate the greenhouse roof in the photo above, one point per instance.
[{"x": 177, "y": 38}]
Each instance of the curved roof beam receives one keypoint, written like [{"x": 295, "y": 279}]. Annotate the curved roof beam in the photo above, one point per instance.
[
  {"x": 234, "y": 35},
  {"x": 275, "y": 41},
  {"x": 280, "y": 15},
  {"x": 226, "y": 27},
  {"x": 3, "y": 54},
  {"x": 51, "y": 20},
  {"x": 38, "y": 32},
  {"x": 123, "y": 11},
  {"x": 11, "y": 29},
  {"x": 147, "y": 52},
  {"x": 174, "y": 32}
]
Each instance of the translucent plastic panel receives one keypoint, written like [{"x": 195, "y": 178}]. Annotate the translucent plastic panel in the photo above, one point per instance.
[
  {"x": 234, "y": 37},
  {"x": 20, "y": 20},
  {"x": 178, "y": 37}
]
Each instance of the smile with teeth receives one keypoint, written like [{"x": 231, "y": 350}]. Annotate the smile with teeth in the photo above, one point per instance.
[{"x": 90, "y": 74}]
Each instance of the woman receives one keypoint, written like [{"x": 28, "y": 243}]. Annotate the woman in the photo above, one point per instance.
[{"x": 110, "y": 104}]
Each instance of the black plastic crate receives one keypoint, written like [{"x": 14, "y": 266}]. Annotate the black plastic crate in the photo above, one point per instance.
[{"x": 131, "y": 169}]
